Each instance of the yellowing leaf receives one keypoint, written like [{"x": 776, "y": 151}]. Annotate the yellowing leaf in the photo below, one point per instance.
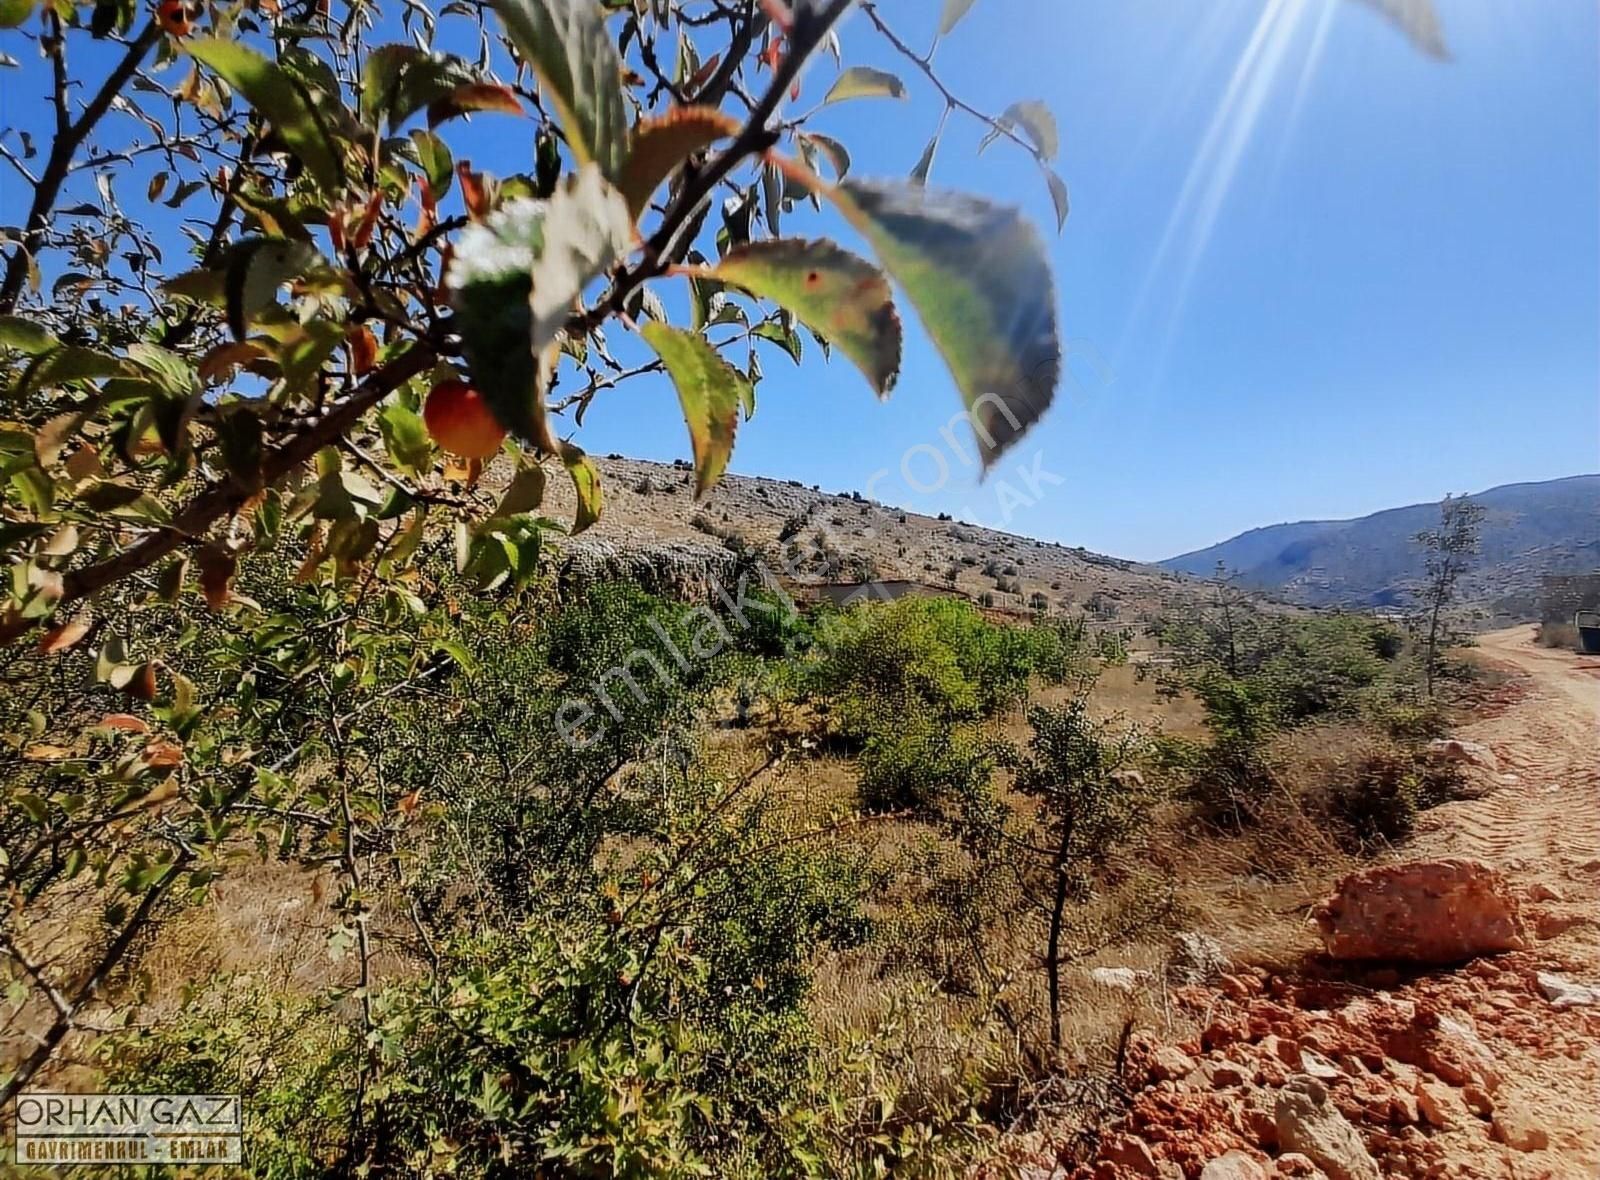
[
  {"x": 280, "y": 99},
  {"x": 843, "y": 298},
  {"x": 710, "y": 390},
  {"x": 865, "y": 82},
  {"x": 566, "y": 43},
  {"x": 978, "y": 275},
  {"x": 226, "y": 357},
  {"x": 586, "y": 480},
  {"x": 660, "y": 145}
]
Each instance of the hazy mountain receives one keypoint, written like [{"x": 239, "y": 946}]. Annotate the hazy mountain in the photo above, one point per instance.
[{"x": 1530, "y": 529}]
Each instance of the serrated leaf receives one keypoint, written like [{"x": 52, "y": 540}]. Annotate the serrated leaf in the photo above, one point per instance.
[
  {"x": 978, "y": 275},
  {"x": 661, "y": 144},
  {"x": 864, "y": 82},
  {"x": 711, "y": 392},
  {"x": 954, "y": 10},
  {"x": 836, "y": 294},
  {"x": 281, "y": 99},
  {"x": 566, "y": 43}
]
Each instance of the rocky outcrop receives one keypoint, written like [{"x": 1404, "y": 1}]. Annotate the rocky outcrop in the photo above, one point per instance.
[
  {"x": 672, "y": 569},
  {"x": 1434, "y": 911}
]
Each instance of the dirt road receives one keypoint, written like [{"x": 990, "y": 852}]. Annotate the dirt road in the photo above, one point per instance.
[
  {"x": 1471, "y": 1072},
  {"x": 1548, "y": 736}
]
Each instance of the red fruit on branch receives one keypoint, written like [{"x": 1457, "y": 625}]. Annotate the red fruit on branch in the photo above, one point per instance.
[{"x": 460, "y": 421}]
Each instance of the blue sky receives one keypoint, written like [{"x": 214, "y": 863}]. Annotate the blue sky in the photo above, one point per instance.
[
  {"x": 1309, "y": 272},
  {"x": 1398, "y": 296}
]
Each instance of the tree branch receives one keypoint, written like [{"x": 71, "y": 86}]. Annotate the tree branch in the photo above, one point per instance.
[
  {"x": 221, "y": 501},
  {"x": 66, "y": 145}
]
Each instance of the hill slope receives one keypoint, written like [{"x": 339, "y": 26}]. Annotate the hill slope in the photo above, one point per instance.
[
  {"x": 818, "y": 540},
  {"x": 1530, "y": 529}
]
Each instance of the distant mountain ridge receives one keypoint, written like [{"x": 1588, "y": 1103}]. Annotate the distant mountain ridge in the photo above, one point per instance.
[{"x": 1529, "y": 529}]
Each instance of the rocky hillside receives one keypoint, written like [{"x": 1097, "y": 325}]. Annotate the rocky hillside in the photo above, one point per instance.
[
  {"x": 1530, "y": 529},
  {"x": 654, "y": 530}
]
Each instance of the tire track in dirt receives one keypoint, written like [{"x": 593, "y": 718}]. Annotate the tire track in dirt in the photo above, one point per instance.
[{"x": 1546, "y": 825}]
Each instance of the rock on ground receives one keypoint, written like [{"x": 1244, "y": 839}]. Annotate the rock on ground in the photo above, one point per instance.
[
  {"x": 1465, "y": 753},
  {"x": 1310, "y": 1125},
  {"x": 1236, "y": 1165},
  {"x": 1196, "y": 958},
  {"x": 1430, "y": 911},
  {"x": 1564, "y": 993}
]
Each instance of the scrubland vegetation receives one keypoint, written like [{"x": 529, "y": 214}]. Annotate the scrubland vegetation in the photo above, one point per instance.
[{"x": 816, "y": 903}]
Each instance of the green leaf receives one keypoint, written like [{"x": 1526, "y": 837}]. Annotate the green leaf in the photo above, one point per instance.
[
  {"x": 433, "y": 156},
  {"x": 282, "y": 99},
  {"x": 711, "y": 392},
  {"x": 1035, "y": 121},
  {"x": 405, "y": 437},
  {"x": 784, "y": 336},
  {"x": 954, "y": 10},
  {"x": 566, "y": 43},
  {"x": 661, "y": 144},
  {"x": 978, "y": 275},
  {"x": 14, "y": 12},
  {"x": 839, "y": 296},
  {"x": 865, "y": 82},
  {"x": 254, "y": 270},
  {"x": 24, "y": 335},
  {"x": 57, "y": 366}
]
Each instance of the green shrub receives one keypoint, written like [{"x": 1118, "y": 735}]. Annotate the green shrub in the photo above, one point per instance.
[{"x": 923, "y": 765}]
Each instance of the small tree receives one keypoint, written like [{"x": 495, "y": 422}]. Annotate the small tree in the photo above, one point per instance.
[
  {"x": 1447, "y": 553},
  {"x": 1089, "y": 805}
]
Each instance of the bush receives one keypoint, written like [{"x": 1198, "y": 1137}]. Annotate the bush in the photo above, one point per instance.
[
  {"x": 937, "y": 656},
  {"x": 1373, "y": 796},
  {"x": 924, "y": 766}
]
